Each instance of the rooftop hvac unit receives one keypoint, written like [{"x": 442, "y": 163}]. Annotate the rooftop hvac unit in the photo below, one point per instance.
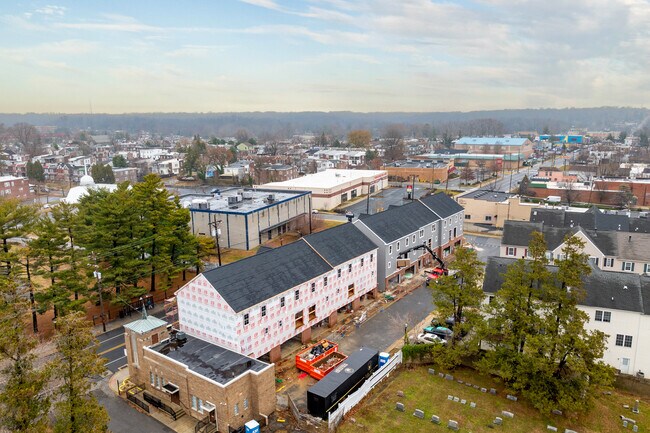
[
  {"x": 271, "y": 198},
  {"x": 232, "y": 200},
  {"x": 198, "y": 203},
  {"x": 247, "y": 195}
]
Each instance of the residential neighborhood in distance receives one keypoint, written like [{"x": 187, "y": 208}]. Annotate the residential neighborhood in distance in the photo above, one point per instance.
[{"x": 275, "y": 216}]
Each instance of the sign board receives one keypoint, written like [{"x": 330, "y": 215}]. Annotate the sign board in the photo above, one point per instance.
[{"x": 403, "y": 262}]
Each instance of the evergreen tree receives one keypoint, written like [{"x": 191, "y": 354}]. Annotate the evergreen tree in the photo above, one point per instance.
[
  {"x": 536, "y": 331},
  {"x": 23, "y": 403},
  {"x": 110, "y": 232},
  {"x": 102, "y": 173},
  {"x": 119, "y": 161},
  {"x": 78, "y": 362},
  {"x": 58, "y": 259},
  {"x": 15, "y": 220},
  {"x": 154, "y": 210},
  {"x": 459, "y": 296}
]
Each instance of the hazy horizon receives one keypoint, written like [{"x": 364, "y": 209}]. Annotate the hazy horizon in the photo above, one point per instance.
[{"x": 367, "y": 56}]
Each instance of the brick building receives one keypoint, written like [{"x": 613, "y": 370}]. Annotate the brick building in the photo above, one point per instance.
[
  {"x": 424, "y": 171},
  {"x": 275, "y": 173},
  {"x": 206, "y": 381},
  {"x": 16, "y": 187}
]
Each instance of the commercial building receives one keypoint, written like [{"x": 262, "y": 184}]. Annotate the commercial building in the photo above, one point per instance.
[
  {"x": 435, "y": 220},
  {"x": 332, "y": 187},
  {"x": 421, "y": 171},
  {"x": 616, "y": 304},
  {"x": 189, "y": 375},
  {"x": 248, "y": 217},
  {"x": 496, "y": 145},
  {"x": 494, "y": 207},
  {"x": 16, "y": 187},
  {"x": 254, "y": 305}
]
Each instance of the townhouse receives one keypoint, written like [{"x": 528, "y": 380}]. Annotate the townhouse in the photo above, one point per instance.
[
  {"x": 617, "y": 303},
  {"x": 254, "y": 305},
  {"x": 608, "y": 250},
  {"x": 435, "y": 220}
]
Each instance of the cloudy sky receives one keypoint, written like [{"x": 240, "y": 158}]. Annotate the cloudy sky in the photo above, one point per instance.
[{"x": 367, "y": 55}]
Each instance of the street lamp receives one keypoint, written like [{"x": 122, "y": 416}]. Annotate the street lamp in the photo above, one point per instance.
[{"x": 98, "y": 276}]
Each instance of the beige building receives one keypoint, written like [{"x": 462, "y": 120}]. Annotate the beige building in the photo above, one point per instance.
[
  {"x": 182, "y": 375},
  {"x": 494, "y": 207},
  {"x": 332, "y": 187},
  {"x": 504, "y": 145}
]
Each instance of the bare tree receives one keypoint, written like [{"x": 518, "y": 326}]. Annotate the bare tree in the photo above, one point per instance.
[
  {"x": 467, "y": 174},
  {"x": 242, "y": 135},
  {"x": 481, "y": 171},
  {"x": 570, "y": 193},
  {"x": 28, "y": 137},
  {"x": 394, "y": 143},
  {"x": 625, "y": 197}
]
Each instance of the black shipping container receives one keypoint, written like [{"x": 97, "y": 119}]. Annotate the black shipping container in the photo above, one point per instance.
[{"x": 326, "y": 395}]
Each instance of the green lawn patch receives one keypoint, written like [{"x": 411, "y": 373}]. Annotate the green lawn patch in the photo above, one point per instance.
[{"x": 429, "y": 393}]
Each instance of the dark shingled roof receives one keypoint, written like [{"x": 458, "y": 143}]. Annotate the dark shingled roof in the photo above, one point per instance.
[
  {"x": 593, "y": 219},
  {"x": 442, "y": 204},
  {"x": 604, "y": 289},
  {"x": 340, "y": 244},
  {"x": 209, "y": 360},
  {"x": 399, "y": 221},
  {"x": 255, "y": 279}
]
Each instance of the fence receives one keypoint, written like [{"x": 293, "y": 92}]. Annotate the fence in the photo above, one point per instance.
[
  {"x": 156, "y": 402},
  {"x": 336, "y": 416},
  {"x": 135, "y": 400}
]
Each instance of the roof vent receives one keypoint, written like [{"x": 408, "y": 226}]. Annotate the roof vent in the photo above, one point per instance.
[
  {"x": 612, "y": 299},
  {"x": 624, "y": 287}
]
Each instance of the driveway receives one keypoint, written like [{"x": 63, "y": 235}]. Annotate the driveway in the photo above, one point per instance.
[
  {"x": 124, "y": 418},
  {"x": 485, "y": 246},
  {"x": 384, "y": 328}
]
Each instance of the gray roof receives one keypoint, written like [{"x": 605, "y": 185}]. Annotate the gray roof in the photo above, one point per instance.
[
  {"x": 255, "y": 279},
  {"x": 487, "y": 195},
  {"x": 340, "y": 244},
  {"x": 145, "y": 325},
  {"x": 623, "y": 245},
  {"x": 209, "y": 360},
  {"x": 399, "y": 221},
  {"x": 593, "y": 219},
  {"x": 603, "y": 289},
  {"x": 442, "y": 204}
]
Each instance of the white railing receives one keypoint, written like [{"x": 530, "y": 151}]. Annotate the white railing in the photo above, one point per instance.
[{"x": 336, "y": 416}]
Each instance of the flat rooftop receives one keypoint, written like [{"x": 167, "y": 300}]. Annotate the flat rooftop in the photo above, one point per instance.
[
  {"x": 209, "y": 360},
  {"x": 237, "y": 200},
  {"x": 327, "y": 179},
  {"x": 487, "y": 195},
  {"x": 9, "y": 178},
  {"x": 416, "y": 164}
]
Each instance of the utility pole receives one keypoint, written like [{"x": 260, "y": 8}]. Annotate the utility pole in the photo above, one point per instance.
[
  {"x": 216, "y": 232},
  {"x": 98, "y": 276}
]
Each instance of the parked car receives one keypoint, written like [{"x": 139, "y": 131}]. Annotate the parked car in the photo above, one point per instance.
[
  {"x": 426, "y": 338},
  {"x": 439, "y": 331}
]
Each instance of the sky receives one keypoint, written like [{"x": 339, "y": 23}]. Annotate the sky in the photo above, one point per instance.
[{"x": 322, "y": 55}]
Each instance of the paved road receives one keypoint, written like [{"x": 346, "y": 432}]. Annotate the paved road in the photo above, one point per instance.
[
  {"x": 123, "y": 417},
  {"x": 485, "y": 246},
  {"x": 382, "y": 199},
  {"x": 387, "y": 326}
]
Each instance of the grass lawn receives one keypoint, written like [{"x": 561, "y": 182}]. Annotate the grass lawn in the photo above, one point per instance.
[{"x": 429, "y": 393}]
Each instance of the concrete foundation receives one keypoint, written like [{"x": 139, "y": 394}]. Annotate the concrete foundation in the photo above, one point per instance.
[
  {"x": 305, "y": 337},
  {"x": 275, "y": 354},
  {"x": 332, "y": 319}
]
